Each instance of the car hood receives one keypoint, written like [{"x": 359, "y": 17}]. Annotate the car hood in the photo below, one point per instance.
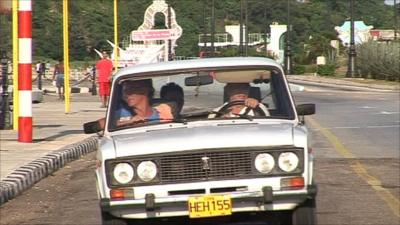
[{"x": 205, "y": 137}]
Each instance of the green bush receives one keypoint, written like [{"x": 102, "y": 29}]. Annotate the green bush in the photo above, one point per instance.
[
  {"x": 299, "y": 69},
  {"x": 379, "y": 60},
  {"x": 326, "y": 70},
  {"x": 311, "y": 68}
]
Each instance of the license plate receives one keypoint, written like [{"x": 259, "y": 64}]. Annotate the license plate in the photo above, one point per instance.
[{"x": 209, "y": 205}]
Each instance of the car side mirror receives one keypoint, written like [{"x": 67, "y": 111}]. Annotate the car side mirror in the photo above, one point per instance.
[
  {"x": 92, "y": 127},
  {"x": 305, "y": 109}
]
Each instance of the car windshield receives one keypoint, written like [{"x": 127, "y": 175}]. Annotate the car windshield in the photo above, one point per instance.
[{"x": 182, "y": 96}]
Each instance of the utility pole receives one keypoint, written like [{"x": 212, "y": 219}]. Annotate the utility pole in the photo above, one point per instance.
[
  {"x": 288, "y": 52},
  {"x": 5, "y": 107},
  {"x": 212, "y": 28},
  {"x": 352, "y": 48}
]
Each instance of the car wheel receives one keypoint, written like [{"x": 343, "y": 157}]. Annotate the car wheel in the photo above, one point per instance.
[
  {"x": 108, "y": 219},
  {"x": 305, "y": 213}
]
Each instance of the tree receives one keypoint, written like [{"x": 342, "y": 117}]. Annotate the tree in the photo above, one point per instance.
[{"x": 91, "y": 22}]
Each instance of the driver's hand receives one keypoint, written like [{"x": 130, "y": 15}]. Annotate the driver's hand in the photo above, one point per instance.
[{"x": 251, "y": 103}]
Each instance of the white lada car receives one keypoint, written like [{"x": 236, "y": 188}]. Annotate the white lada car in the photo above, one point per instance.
[{"x": 217, "y": 157}]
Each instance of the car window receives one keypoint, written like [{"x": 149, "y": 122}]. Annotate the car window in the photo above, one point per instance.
[{"x": 190, "y": 102}]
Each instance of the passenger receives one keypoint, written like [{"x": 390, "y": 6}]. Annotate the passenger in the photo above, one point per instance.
[
  {"x": 138, "y": 95},
  {"x": 172, "y": 92},
  {"x": 239, "y": 102}
]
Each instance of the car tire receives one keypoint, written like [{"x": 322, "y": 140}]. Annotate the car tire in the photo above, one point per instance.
[
  {"x": 305, "y": 213},
  {"x": 108, "y": 219}
]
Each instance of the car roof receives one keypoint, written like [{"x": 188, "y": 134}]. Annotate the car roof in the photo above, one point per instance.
[{"x": 195, "y": 63}]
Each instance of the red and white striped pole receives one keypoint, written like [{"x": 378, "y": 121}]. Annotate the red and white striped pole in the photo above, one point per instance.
[{"x": 25, "y": 71}]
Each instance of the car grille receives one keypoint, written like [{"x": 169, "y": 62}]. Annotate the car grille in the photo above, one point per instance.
[{"x": 205, "y": 166}]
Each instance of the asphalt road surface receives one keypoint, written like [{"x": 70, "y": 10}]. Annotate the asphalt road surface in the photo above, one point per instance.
[
  {"x": 356, "y": 144},
  {"x": 357, "y": 167}
]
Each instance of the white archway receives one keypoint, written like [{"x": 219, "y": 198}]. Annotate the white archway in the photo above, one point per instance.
[{"x": 160, "y": 6}]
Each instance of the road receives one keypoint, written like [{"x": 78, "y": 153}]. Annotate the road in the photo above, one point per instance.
[{"x": 356, "y": 145}]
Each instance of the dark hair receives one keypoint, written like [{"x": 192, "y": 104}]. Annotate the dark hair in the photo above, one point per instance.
[
  {"x": 177, "y": 94},
  {"x": 142, "y": 83},
  {"x": 232, "y": 88}
]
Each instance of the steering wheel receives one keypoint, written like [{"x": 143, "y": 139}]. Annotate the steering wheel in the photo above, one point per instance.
[{"x": 226, "y": 109}]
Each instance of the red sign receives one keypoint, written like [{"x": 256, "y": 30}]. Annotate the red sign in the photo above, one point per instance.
[{"x": 151, "y": 35}]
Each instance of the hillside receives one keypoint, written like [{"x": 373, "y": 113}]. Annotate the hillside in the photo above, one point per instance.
[{"x": 91, "y": 21}]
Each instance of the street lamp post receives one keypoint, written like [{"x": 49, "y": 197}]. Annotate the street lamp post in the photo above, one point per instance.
[
  {"x": 288, "y": 52},
  {"x": 246, "y": 30},
  {"x": 170, "y": 56},
  {"x": 212, "y": 28},
  {"x": 205, "y": 27},
  {"x": 396, "y": 26},
  {"x": 265, "y": 31},
  {"x": 352, "y": 48},
  {"x": 241, "y": 29}
]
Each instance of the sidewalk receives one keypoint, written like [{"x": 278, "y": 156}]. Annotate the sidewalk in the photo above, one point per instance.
[
  {"x": 343, "y": 83},
  {"x": 57, "y": 139}
]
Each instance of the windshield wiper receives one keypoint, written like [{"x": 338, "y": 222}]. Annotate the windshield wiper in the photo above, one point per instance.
[{"x": 173, "y": 120}]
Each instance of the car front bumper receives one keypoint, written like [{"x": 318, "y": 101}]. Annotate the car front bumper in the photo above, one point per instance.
[{"x": 150, "y": 207}]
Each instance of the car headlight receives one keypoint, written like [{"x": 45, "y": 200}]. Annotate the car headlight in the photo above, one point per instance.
[
  {"x": 264, "y": 163},
  {"x": 288, "y": 161},
  {"x": 123, "y": 173},
  {"x": 147, "y": 170}
]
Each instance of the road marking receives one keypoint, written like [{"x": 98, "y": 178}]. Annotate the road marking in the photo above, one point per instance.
[
  {"x": 346, "y": 128},
  {"x": 366, "y": 107},
  {"x": 387, "y": 126},
  {"x": 387, "y": 113},
  {"x": 383, "y": 193},
  {"x": 366, "y": 127}
]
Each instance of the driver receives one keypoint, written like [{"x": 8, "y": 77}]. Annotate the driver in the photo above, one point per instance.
[{"x": 239, "y": 102}]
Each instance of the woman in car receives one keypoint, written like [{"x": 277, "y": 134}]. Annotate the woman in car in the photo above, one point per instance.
[{"x": 138, "y": 95}]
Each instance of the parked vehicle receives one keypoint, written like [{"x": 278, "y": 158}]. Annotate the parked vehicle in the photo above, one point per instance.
[{"x": 206, "y": 160}]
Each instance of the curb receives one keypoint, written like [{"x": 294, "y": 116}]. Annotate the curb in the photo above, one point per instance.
[
  {"x": 342, "y": 86},
  {"x": 72, "y": 90},
  {"x": 26, "y": 176}
]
